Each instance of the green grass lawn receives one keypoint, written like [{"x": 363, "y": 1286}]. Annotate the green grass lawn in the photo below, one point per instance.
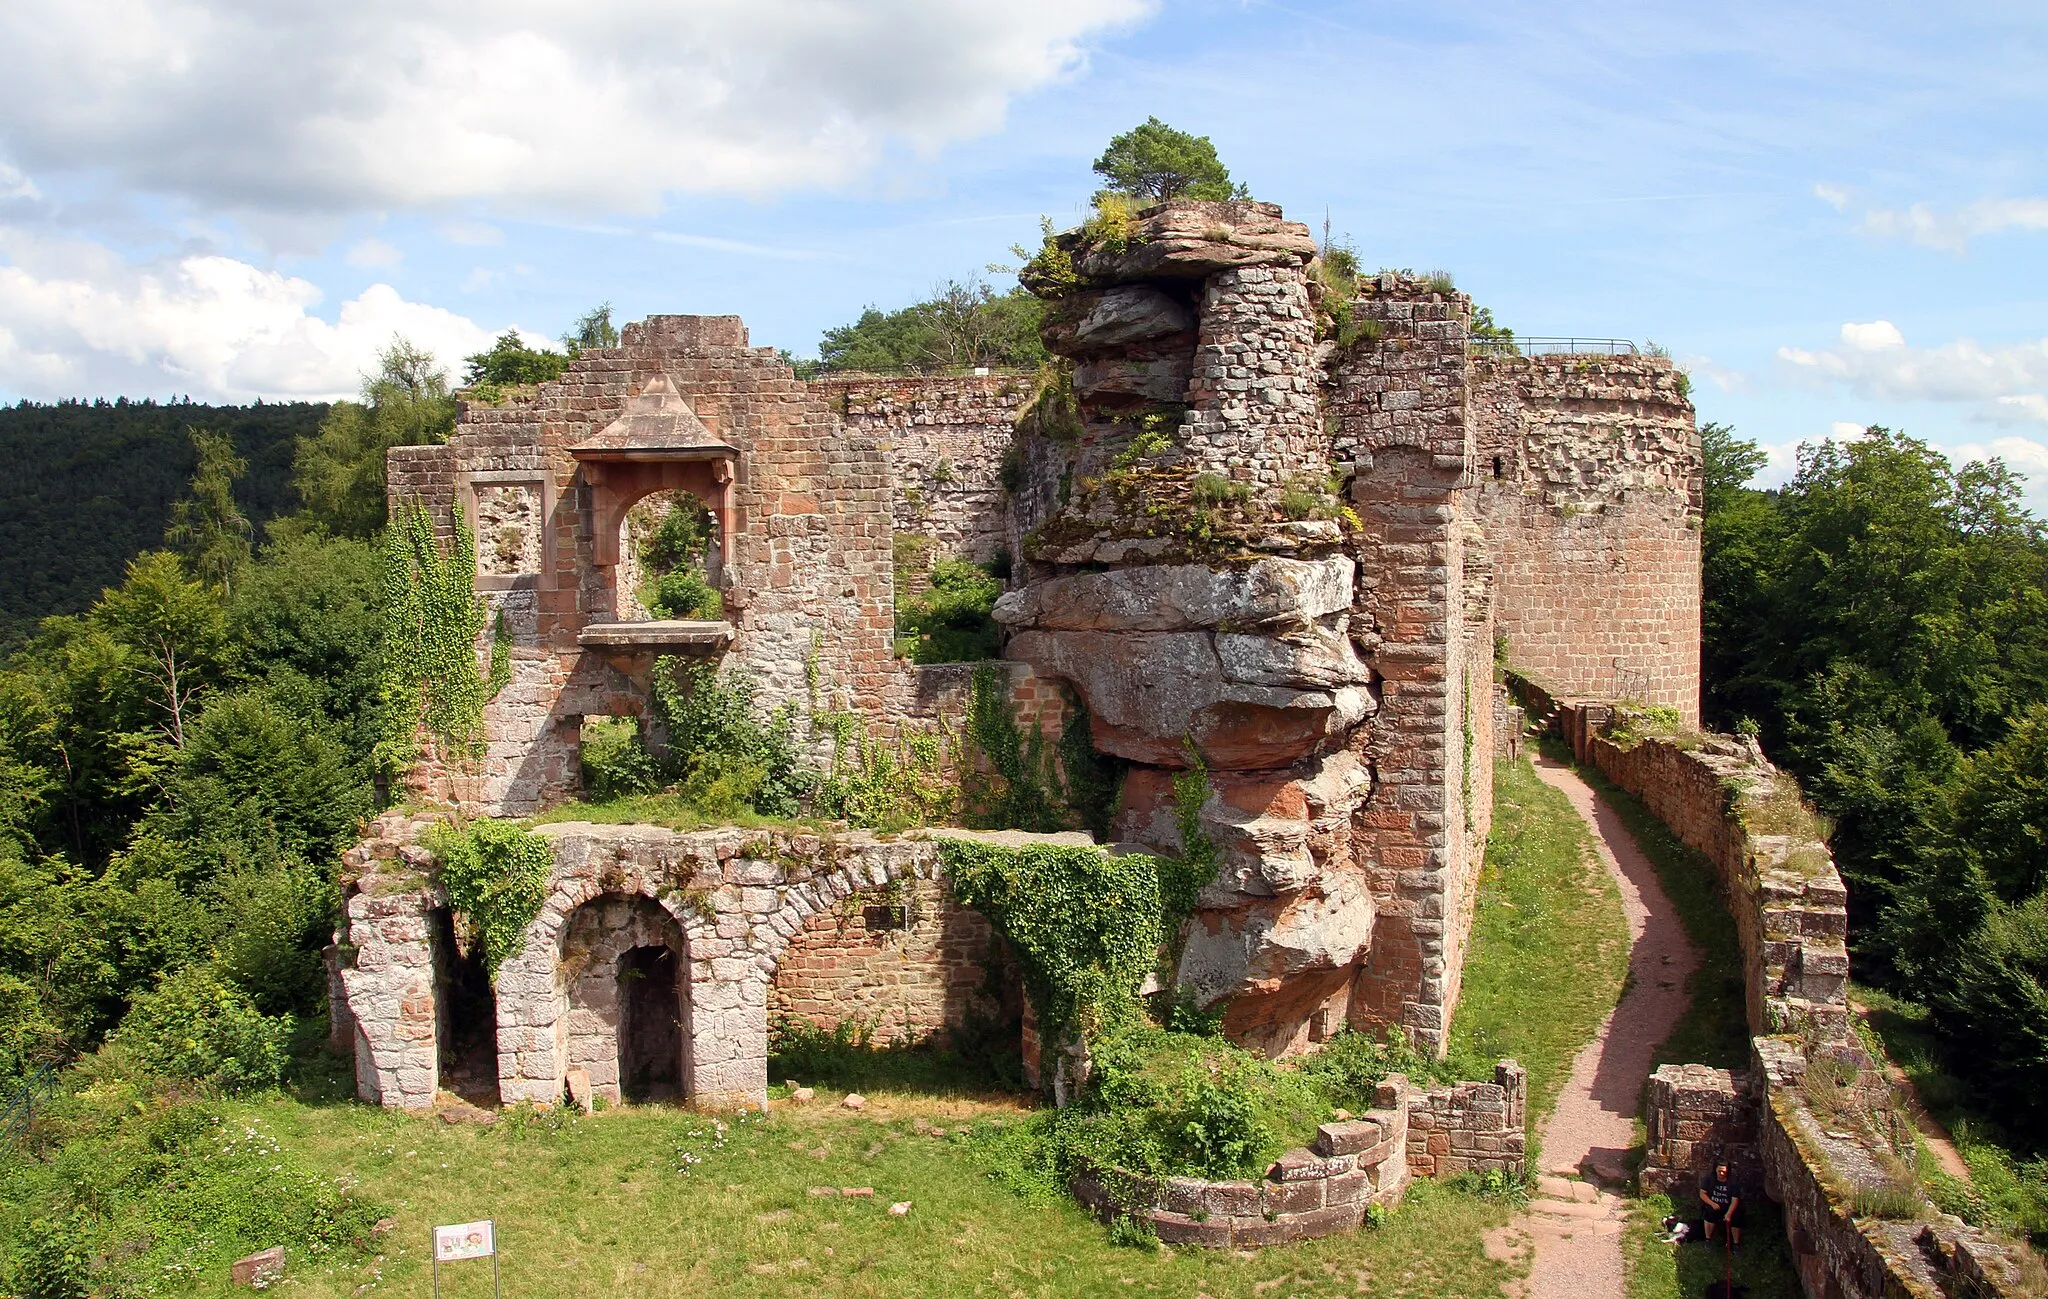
[
  {"x": 647, "y": 1201},
  {"x": 1549, "y": 949}
]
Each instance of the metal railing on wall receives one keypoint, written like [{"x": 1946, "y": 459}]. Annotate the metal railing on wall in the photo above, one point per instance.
[{"x": 1543, "y": 346}]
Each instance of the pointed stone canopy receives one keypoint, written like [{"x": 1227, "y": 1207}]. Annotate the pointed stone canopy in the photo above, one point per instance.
[{"x": 658, "y": 424}]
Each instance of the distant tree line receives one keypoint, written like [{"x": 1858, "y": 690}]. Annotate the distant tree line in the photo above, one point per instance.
[{"x": 1882, "y": 622}]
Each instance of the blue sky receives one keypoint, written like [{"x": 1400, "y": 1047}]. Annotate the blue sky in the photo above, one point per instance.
[{"x": 1833, "y": 214}]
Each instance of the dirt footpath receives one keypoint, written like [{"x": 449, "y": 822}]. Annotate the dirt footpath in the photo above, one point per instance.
[{"x": 1574, "y": 1226}]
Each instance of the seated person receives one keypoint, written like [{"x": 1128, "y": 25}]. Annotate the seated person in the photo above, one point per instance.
[{"x": 1723, "y": 1204}]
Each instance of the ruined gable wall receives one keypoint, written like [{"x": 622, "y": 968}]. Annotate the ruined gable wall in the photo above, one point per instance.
[
  {"x": 1400, "y": 409},
  {"x": 810, "y": 570},
  {"x": 945, "y": 438},
  {"x": 1590, "y": 480}
]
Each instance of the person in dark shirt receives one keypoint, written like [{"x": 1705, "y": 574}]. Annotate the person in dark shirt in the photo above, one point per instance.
[{"x": 1723, "y": 1204}]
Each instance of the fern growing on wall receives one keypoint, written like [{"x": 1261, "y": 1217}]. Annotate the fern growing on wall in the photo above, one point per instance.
[{"x": 432, "y": 683}]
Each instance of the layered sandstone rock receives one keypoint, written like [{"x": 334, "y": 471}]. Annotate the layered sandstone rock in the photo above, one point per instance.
[{"x": 1208, "y": 626}]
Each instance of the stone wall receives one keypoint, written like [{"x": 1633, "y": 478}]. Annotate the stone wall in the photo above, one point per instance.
[
  {"x": 945, "y": 438},
  {"x": 1352, "y": 1166},
  {"x": 1694, "y": 1117},
  {"x": 1422, "y": 613},
  {"x": 732, "y": 903},
  {"x": 808, "y": 582},
  {"x": 1589, "y": 478},
  {"x": 1471, "y": 1127},
  {"x": 1720, "y": 797},
  {"x": 1788, "y": 901},
  {"x": 903, "y": 962}
]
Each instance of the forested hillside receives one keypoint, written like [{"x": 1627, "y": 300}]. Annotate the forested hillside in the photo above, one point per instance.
[
  {"x": 1882, "y": 623},
  {"x": 87, "y": 487}
]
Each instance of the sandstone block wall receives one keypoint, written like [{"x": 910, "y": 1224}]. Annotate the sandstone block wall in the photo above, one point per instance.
[
  {"x": 904, "y": 962},
  {"x": 1696, "y": 1116},
  {"x": 1790, "y": 912},
  {"x": 945, "y": 438},
  {"x": 1788, "y": 901},
  {"x": 1326, "y": 1188},
  {"x": 1589, "y": 482},
  {"x": 809, "y": 580},
  {"x": 1424, "y": 611},
  {"x": 733, "y": 904},
  {"x": 1470, "y": 1126}
]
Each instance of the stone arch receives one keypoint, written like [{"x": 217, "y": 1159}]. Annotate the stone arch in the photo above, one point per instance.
[
  {"x": 618, "y": 487},
  {"x": 535, "y": 1029},
  {"x": 608, "y": 945}
]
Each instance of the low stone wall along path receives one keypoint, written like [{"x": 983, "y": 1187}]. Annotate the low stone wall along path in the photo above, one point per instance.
[{"x": 1575, "y": 1223}]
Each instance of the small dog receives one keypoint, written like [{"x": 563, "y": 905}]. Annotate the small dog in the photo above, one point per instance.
[{"x": 1676, "y": 1230}]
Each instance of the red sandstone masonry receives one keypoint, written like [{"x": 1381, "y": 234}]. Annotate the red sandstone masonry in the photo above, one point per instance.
[
  {"x": 1401, "y": 424},
  {"x": 1352, "y": 1166},
  {"x": 905, "y": 963},
  {"x": 1589, "y": 477},
  {"x": 945, "y": 437}
]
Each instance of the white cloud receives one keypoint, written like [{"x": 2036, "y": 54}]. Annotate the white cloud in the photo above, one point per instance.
[
  {"x": 1875, "y": 360},
  {"x": 1953, "y": 230},
  {"x": 1873, "y": 337},
  {"x": 2024, "y": 454},
  {"x": 481, "y": 278},
  {"x": 2029, "y": 406},
  {"x": 75, "y": 318},
  {"x": 286, "y": 107},
  {"x": 374, "y": 252},
  {"x": 1832, "y": 195},
  {"x": 1843, "y": 430},
  {"x": 14, "y": 185}
]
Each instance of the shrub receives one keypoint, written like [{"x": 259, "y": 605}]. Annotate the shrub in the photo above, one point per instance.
[
  {"x": 197, "y": 1025},
  {"x": 684, "y": 593},
  {"x": 1351, "y": 1066},
  {"x": 953, "y": 621},
  {"x": 616, "y": 762},
  {"x": 496, "y": 875},
  {"x": 715, "y": 732},
  {"x": 1164, "y": 1104}
]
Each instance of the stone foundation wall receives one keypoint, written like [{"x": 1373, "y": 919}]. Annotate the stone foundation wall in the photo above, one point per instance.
[
  {"x": 1471, "y": 1127},
  {"x": 735, "y": 903},
  {"x": 903, "y": 962},
  {"x": 1696, "y": 1116},
  {"x": 945, "y": 438},
  {"x": 1589, "y": 482},
  {"x": 1324, "y": 1189}
]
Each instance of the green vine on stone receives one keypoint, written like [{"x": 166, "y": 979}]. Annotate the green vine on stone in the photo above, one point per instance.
[
  {"x": 1086, "y": 926},
  {"x": 432, "y": 619},
  {"x": 496, "y": 877}
]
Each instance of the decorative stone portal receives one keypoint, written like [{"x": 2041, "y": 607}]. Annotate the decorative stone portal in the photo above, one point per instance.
[{"x": 618, "y": 972}]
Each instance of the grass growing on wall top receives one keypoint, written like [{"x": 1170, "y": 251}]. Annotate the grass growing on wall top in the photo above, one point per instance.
[{"x": 1549, "y": 948}]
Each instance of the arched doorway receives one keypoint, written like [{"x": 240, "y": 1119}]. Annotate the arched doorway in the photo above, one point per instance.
[
  {"x": 650, "y": 1025},
  {"x": 622, "y": 974}
]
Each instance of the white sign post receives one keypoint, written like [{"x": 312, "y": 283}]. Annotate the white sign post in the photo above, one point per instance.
[{"x": 466, "y": 1240}]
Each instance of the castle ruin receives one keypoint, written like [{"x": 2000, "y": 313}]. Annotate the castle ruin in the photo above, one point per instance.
[{"x": 1247, "y": 524}]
